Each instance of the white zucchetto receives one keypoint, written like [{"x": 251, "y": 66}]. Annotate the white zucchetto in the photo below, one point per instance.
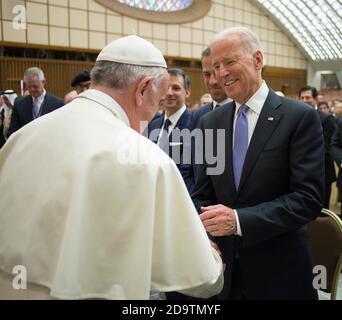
[{"x": 132, "y": 50}]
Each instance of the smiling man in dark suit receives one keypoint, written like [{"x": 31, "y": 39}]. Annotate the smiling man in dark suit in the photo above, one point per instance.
[
  {"x": 38, "y": 103},
  {"x": 218, "y": 95},
  {"x": 213, "y": 86},
  {"x": 272, "y": 185},
  {"x": 166, "y": 130}
]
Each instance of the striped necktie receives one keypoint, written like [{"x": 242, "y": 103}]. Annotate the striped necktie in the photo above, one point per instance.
[{"x": 36, "y": 108}]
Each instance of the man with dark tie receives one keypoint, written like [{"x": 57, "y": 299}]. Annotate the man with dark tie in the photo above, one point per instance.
[
  {"x": 272, "y": 184},
  {"x": 38, "y": 103},
  {"x": 166, "y": 130}
]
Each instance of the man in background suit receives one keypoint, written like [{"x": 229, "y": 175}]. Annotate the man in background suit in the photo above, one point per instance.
[
  {"x": 308, "y": 95},
  {"x": 219, "y": 99},
  {"x": 165, "y": 130},
  {"x": 38, "y": 103},
  {"x": 336, "y": 145},
  {"x": 213, "y": 86},
  {"x": 271, "y": 187}
]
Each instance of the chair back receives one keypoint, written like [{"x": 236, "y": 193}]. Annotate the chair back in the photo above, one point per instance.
[{"x": 325, "y": 235}]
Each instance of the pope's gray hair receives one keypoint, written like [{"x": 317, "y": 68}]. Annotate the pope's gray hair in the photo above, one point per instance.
[
  {"x": 120, "y": 76},
  {"x": 248, "y": 38},
  {"x": 34, "y": 72}
]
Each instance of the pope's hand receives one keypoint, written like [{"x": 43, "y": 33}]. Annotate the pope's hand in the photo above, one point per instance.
[
  {"x": 215, "y": 246},
  {"x": 218, "y": 220}
]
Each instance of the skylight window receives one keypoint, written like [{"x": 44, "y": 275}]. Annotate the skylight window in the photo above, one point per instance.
[{"x": 313, "y": 23}]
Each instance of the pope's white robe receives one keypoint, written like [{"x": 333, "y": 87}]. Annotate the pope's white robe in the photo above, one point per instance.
[{"x": 92, "y": 209}]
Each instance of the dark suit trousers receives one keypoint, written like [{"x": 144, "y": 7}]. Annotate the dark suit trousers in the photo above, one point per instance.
[{"x": 236, "y": 289}]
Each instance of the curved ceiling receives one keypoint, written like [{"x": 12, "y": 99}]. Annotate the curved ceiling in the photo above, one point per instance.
[{"x": 315, "y": 25}]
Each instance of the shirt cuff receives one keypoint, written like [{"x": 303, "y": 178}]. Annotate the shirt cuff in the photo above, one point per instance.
[{"x": 238, "y": 228}]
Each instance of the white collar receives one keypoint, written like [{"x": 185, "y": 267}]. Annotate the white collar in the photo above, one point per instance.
[
  {"x": 106, "y": 101},
  {"x": 41, "y": 97},
  {"x": 176, "y": 116},
  {"x": 256, "y": 102}
]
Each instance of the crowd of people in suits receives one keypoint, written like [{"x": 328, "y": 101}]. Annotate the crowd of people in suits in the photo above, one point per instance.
[
  {"x": 278, "y": 167},
  {"x": 17, "y": 111}
]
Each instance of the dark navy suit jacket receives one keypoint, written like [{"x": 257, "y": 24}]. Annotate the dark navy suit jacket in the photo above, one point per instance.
[
  {"x": 22, "y": 110},
  {"x": 280, "y": 191},
  {"x": 178, "y": 145},
  {"x": 199, "y": 113}
]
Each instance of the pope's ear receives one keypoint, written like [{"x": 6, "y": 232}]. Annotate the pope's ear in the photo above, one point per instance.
[{"x": 142, "y": 86}]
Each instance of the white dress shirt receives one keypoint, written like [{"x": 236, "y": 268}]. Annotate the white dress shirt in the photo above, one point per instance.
[
  {"x": 174, "y": 119},
  {"x": 39, "y": 100},
  {"x": 215, "y": 103}
]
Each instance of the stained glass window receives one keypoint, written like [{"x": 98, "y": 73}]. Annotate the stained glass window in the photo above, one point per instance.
[{"x": 158, "y": 5}]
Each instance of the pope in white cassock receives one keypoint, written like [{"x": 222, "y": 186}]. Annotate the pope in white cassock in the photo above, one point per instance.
[{"x": 91, "y": 208}]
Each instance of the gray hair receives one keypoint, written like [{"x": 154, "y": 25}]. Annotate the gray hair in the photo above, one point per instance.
[
  {"x": 120, "y": 76},
  {"x": 247, "y": 37},
  {"x": 206, "y": 52},
  {"x": 34, "y": 72}
]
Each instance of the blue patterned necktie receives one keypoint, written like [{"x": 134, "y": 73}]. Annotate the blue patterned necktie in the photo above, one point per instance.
[
  {"x": 240, "y": 143},
  {"x": 164, "y": 138}
]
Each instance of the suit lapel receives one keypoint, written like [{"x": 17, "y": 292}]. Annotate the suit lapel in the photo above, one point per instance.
[
  {"x": 182, "y": 122},
  {"x": 267, "y": 122},
  {"x": 29, "y": 109},
  {"x": 176, "y": 138},
  {"x": 44, "y": 105},
  {"x": 225, "y": 122},
  {"x": 155, "y": 124}
]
